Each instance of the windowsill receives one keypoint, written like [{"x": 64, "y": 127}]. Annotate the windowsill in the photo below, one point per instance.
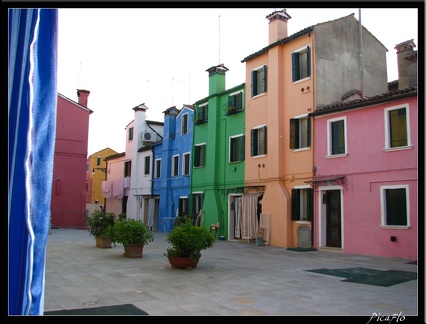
[
  {"x": 302, "y": 80},
  {"x": 403, "y": 227},
  {"x": 400, "y": 148},
  {"x": 258, "y": 156},
  {"x": 303, "y": 222},
  {"x": 259, "y": 95},
  {"x": 336, "y": 156},
  {"x": 302, "y": 149}
]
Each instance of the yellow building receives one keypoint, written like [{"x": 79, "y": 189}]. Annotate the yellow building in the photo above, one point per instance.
[{"x": 96, "y": 173}]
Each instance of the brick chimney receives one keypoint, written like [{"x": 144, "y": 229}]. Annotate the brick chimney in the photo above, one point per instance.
[
  {"x": 278, "y": 25},
  {"x": 407, "y": 64},
  {"x": 83, "y": 95}
]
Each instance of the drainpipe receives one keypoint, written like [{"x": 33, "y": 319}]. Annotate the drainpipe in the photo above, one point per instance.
[{"x": 360, "y": 54}]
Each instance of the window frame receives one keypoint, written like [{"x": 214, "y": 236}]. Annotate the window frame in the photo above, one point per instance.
[
  {"x": 203, "y": 113},
  {"x": 147, "y": 165},
  {"x": 259, "y": 79},
  {"x": 383, "y": 205},
  {"x": 254, "y": 137},
  {"x": 240, "y": 148},
  {"x": 184, "y": 124},
  {"x": 200, "y": 161},
  {"x": 157, "y": 168},
  {"x": 175, "y": 165},
  {"x": 131, "y": 135},
  {"x": 387, "y": 111},
  {"x": 235, "y": 102},
  {"x": 127, "y": 168},
  {"x": 296, "y": 64},
  {"x": 296, "y": 135},
  {"x": 297, "y": 202},
  {"x": 186, "y": 164},
  {"x": 330, "y": 137}
]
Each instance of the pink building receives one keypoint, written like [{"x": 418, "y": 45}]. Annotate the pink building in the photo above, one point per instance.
[{"x": 68, "y": 204}]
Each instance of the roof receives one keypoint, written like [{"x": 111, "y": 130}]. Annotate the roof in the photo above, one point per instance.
[
  {"x": 75, "y": 103},
  {"x": 300, "y": 33},
  {"x": 366, "y": 101}
]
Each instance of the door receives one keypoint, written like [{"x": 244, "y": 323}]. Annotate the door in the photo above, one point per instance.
[{"x": 334, "y": 230}]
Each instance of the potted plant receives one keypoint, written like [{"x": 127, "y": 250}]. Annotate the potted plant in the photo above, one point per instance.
[
  {"x": 231, "y": 110},
  {"x": 187, "y": 241},
  {"x": 198, "y": 121},
  {"x": 133, "y": 234},
  {"x": 99, "y": 225}
]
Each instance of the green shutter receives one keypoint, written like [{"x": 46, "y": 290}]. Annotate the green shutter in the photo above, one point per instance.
[
  {"x": 253, "y": 142},
  {"x": 295, "y": 66},
  {"x": 293, "y": 131},
  {"x": 295, "y": 198},
  {"x": 310, "y": 203},
  {"x": 308, "y": 61},
  {"x": 242, "y": 151},
  {"x": 264, "y": 140},
  {"x": 309, "y": 132},
  {"x": 253, "y": 83},
  {"x": 264, "y": 79}
]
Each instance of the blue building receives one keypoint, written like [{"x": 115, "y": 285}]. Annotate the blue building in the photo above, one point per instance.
[{"x": 172, "y": 166}]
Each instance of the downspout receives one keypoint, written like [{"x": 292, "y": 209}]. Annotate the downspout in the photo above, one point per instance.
[{"x": 360, "y": 54}]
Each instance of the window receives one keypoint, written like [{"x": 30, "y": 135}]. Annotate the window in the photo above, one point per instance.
[
  {"x": 395, "y": 205},
  {"x": 175, "y": 165},
  {"x": 300, "y": 132},
  {"x": 131, "y": 134},
  {"x": 301, "y": 64},
  {"x": 258, "y": 141},
  {"x": 186, "y": 163},
  {"x": 235, "y": 103},
  {"x": 236, "y": 148},
  {"x": 336, "y": 134},
  {"x": 87, "y": 167},
  {"x": 302, "y": 207},
  {"x": 258, "y": 81},
  {"x": 147, "y": 165},
  {"x": 200, "y": 155},
  {"x": 202, "y": 114},
  {"x": 157, "y": 168},
  {"x": 184, "y": 125},
  {"x": 98, "y": 161},
  {"x": 397, "y": 127},
  {"x": 198, "y": 198},
  {"x": 183, "y": 206},
  {"x": 127, "y": 168}
]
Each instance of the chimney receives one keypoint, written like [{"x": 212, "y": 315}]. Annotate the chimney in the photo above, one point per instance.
[
  {"x": 407, "y": 64},
  {"x": 217, "y": 78},
  {"x": 278, "y": 25},
  {"x": 83, "y": 95}
]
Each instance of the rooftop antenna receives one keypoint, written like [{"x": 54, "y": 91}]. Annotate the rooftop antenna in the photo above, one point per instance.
[
  {"x": 219, "y": 39},
  {"x": 147, "y": 92},
  {"x": 79, "y": 75},
  {"x": 189, "y": 89}
]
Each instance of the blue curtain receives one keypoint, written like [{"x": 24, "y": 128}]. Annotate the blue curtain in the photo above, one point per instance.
[{"x": 32, "y": 99}]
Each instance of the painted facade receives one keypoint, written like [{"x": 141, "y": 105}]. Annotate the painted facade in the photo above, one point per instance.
[
  {"x": 289, "y": 78},
  {"x": 96, "y": 173},
  {"x": 172, "y": 168},
  {"x": 68, "y": 203},
  {"x": 366, "y": 194},
  {"x": 217, "y": 177},
  {"x": 126, "y": 181}
]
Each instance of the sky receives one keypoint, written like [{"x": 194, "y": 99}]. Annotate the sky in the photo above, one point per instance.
[{"x": 126, "y": 57}]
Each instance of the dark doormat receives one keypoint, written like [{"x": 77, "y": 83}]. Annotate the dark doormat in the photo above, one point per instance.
[
  {"x": 300, "y": 249},
  {"x": 125, "y": 309},
  {"x": 369, "y": 276}
]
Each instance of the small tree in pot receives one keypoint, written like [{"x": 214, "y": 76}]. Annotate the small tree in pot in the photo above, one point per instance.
[
  {"x": 99, "y": 225},
  {"x": 133, "y": 234},
  {"x": 187, "y": 241}
]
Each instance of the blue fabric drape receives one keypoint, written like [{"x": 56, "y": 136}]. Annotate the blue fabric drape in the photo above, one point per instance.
[{"x": 32, "y": 99}]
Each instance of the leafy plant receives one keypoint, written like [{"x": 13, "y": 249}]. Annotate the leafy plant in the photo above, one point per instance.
[
  {"x": 131, "y": 231},
  {"x": 99, "y": 224},
  {"x": 188, "y": 240}
]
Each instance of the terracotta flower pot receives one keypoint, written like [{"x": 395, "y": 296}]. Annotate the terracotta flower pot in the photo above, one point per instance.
[
  {"x": 183, "y": 263},
  {"x": 103, "y": 242},
  {"x": 133, "y": 250}
]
